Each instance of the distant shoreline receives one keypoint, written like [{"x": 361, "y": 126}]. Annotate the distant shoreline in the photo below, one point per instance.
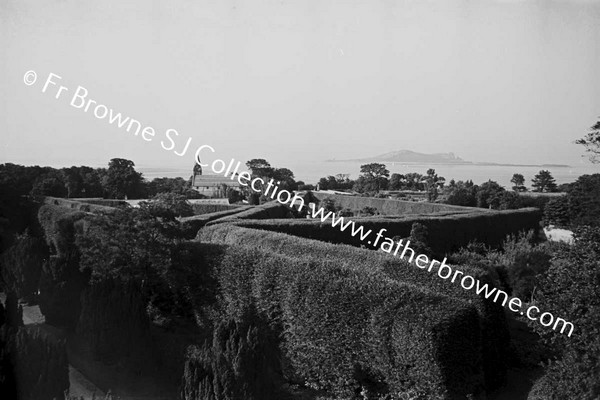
[{"x": 483, "y": 164}]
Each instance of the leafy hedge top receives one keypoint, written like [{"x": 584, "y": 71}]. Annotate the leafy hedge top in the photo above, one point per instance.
[
  {"x": 395, "y": 207},
  {"x": 348, "y": 327},
  {"x": 59, "y": 224},
  {"x": 86, "y": 206},
  {"x": 445, "y": 233},
  {"x": 268, "y": 210},
  {"x": 494, "y": 327}
]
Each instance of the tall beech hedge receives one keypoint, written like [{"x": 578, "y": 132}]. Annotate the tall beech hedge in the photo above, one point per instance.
[
  {"x": 208, "y": 208},
  {"x": 196, "y": 222},
  {"x": 268, "y": 210},
  {"x": 392, "y": 206},
  {"x": 61, "y": 281},
  {"x": 446, "y": 233},
  {"x": 59, "y": 225},
  {"x": 493, "y": 327},
  {"x": 349, "y": 329},
  {"x": 83, "y": 205}
]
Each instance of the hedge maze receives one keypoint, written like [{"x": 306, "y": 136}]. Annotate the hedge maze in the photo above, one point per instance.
[{"x": 340, "y": 318}]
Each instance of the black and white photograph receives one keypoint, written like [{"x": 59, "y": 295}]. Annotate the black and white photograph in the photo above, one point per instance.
[{"x": 300, "y": 200}]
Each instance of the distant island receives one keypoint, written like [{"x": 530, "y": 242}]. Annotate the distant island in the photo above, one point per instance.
[{"x": 412, "y": 157}]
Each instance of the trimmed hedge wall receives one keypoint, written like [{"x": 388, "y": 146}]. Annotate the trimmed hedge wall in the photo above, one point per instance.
[
  {"x": 270, "y": 210},
  {"x": 61, "y": 281},
  {"x": 493, "y": 322},
  {"x": 103, "y": 202},
  {"x": 347, "y": 329},
  {"x": 86, "y": 206},
  {"x": 394, "y": 207},
  {"x": 196, "y": 222},
  {"x": 59, "y": 225},
  {"x": 445, "y": 233},
  {"x": 207, "y": 208}
]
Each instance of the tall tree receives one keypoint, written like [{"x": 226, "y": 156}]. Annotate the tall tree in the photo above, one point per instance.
[
  {"x": 519, "y": 183},
  {"x": 286, "y": 177},
  {"x": 414, "y": 181},
  {"x": 487, "y": 192},
  {"x": 543, "y": 182},
  {"x": 396, "y": 181},
  {"x": 50, "y": 184},
  {"x": 433, "y": 183},
  {"x": 373, "y": 179},
  {"x": 462, "y": 194},
  {"x": 122, "y": 180},
  {"x": 591, "y": 142},
  {"x": 260, "y": 167}
]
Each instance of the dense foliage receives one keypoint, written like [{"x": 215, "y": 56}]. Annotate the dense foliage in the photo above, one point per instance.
[
  {"x": 572, "y": 288},
  {"x": 118, "y": 181},
  {"x": 493, "y": 325},
  {"x": 242, "y": 362},
  {"x": 580, "y": 206}
]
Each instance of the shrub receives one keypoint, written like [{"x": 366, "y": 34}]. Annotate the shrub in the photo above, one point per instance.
[
  {"x": 556, "y": 212},
  {"x": 39, "y": 363},
  {"x": 419, "y": 237},
  {"x": 169, "y": 204},
  {"x": 575, "y": 376},
  {"x": 113, "y": 320},
  {"x": 61, "y": 284},
  {"x": 571, "y": 288},
  {"x": 242, "y": 362},
  {"x": 584, "y": 200},
  {"x": 21, "y": 266},
  {"x": 366, "y": 211}
]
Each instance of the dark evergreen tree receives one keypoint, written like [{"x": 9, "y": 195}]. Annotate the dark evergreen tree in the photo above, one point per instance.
[
  {"x": 543, "y": 182},
  {"x": 241, "y": 363}
]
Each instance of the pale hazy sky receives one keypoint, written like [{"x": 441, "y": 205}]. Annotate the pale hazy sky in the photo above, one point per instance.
[{"x": 503, "y": 81}]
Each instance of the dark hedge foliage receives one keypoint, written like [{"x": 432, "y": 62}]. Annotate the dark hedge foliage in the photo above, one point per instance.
[
  {"x": 192, "y": 224},
  {"x": 493, "y": 321},
  {"x": 571, "y": 287},
  {"x": 113, "y": 320},
  {"x": 445, "y": 233},
  {"x": 59, "y": 225},
  {"x": 272, "y": 209},
  {"x": 21, "y": 266},
  {"x": 207, "y": 208},
  {"x": 61, "y": 284},
  {"x": 38, "y": 363},
  {"x": 557, "y": 212},
  {"x": 348, "y": 329},
  {"x": 84, "y": 205},
  {"x": 391, "y": 207},
  {"x": 61, "y": 280},
  {"x": 242, "y": 362}
]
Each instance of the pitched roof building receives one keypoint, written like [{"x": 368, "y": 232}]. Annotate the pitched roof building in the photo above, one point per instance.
[{"x": 212, "y": 185}]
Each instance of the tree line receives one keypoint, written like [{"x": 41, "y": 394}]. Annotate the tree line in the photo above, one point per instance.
[{"x": 119, "y": 181}]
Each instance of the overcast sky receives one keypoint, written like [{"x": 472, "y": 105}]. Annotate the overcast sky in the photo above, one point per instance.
[{"x": 502, "y": 81}]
